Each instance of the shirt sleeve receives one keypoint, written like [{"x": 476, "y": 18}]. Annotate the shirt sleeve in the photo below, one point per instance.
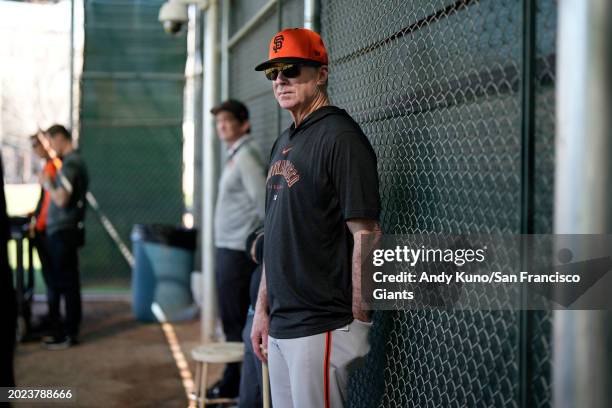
[
  {"x": 253, "y": 178},
  {"x": 67, "y": 177},
  {"x": 354, "y": 173},
  {"x": 50, "y": 169}
]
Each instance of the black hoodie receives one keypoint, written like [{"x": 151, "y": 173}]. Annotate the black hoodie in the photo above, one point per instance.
[{"x": 321, "y": 174}]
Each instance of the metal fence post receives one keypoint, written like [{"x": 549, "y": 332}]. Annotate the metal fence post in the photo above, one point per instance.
[
  {"x": 225, "y": 21},
  {"x": 209, "y": 169},
  {"x": 582, "y": 356},
  {"x": 311, "y": 15}
]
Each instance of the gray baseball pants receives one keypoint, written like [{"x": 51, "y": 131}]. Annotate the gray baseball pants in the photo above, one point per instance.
[{"x": 313, "y": 371}]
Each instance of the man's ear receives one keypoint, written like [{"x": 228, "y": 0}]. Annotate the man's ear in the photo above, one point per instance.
[
  {"x": 245, "y": 126},
  {"x": 323, "y": 75}
]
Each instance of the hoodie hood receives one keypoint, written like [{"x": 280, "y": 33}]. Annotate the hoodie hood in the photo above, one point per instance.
[{"x": 316, "y": 116}]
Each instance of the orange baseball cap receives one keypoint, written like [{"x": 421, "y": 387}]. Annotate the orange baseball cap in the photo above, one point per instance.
[{"x": 295, "y": 45}]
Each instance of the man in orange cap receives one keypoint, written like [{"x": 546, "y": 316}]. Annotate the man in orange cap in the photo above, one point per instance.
[{"x": 321, "y": 198}]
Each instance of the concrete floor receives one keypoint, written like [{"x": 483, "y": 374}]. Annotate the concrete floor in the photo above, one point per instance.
[{"x": 119, "y": 363}]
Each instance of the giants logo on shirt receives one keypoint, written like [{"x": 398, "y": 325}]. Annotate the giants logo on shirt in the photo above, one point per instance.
[{"x": 286, "y": 169}]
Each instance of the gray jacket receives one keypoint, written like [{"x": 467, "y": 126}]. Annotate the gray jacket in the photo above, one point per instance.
[{"x": 241, "y": 199}]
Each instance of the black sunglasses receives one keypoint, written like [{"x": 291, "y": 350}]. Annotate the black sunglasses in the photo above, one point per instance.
[{"x": 288, "y": 70}]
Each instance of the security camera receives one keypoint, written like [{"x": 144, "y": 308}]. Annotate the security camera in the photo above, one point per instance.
[
  {"x": 173, "y": 27},
  {"x": 173, "y": 14}
]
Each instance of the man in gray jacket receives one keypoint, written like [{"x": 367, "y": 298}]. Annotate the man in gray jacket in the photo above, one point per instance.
[{"x": 239, "y": 209}]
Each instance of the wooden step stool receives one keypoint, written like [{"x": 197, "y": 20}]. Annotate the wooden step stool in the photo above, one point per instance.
[{"x": 213, "y": 353}]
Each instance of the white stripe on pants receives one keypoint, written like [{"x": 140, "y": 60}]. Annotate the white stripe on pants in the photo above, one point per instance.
[{"x": 297, "y": 366}]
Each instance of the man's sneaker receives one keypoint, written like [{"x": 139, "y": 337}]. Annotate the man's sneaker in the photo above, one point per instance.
[
  {"x": 214, "y": 391},
  {"x": 221, "y": 390},
  {"x": 60, "y": 343}
]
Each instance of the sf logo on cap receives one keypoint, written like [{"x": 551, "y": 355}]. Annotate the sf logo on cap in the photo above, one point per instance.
[{"x": 278, "y": 43}]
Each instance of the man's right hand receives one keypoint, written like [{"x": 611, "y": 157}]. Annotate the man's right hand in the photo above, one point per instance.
[{"x": 259, "y": 334}]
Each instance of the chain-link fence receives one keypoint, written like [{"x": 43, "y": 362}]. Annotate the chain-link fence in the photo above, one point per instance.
[
  {"x": 439, "y": 88},
  {"x": 131, "y": 137},
  {"x": 540, "y": 324},
  {"x": 455, "y": 96}
]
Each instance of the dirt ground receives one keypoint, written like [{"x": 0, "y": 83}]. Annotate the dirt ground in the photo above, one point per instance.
[{"x": 119, "y": 363}]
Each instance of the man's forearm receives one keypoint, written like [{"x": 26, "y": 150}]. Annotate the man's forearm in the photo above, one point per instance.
[
  {"x": 365, "y": 238},
  {"x": 58, "y": 195},
  {"x": 261, "y": 321},
  {"x": 356, "y": 272},
  {"x": 262, "y": 295}
]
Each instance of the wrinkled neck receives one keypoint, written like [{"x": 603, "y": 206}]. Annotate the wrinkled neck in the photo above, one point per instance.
[{"x": 301, "y": 113}]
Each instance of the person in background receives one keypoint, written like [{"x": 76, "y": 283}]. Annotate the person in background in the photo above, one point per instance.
[
  {"x": 65, "y": 234},
  {"x": 239, "y": 209},
  {"x": 38, "y": 228},
  {"x": 251, "y": 382}
]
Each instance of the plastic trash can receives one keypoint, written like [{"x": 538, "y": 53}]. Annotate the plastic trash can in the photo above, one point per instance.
[{"x": 163, "y": 262}]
